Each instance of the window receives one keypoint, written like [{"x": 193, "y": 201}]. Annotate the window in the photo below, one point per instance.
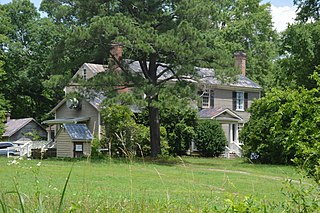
[
  {"x": 207, "y": 98},
  {"x": 84, "y": 74},
  {"x": 240, "y": 101}
]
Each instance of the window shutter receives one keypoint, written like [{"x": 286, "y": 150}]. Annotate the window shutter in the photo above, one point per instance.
[
  {"x": 245, "y": 101},
  {"x": 234, "y": 100},
  {"x": 211, "y": 98},
  {"x": 200, "y": 92}
]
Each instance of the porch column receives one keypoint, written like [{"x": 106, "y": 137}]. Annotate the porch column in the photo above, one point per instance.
[
  {"x": 236, "y": 125},
  {"x": 49, "y": 133},
  {"x": 230, "y": 134}
]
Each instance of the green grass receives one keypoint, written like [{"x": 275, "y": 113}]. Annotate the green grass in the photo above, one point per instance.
[{"x": 116, "y": 185}]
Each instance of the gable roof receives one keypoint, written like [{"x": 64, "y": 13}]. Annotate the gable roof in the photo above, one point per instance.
[
  {"x": 78, "y": 132},
  {"x": 207, "y": 75},
  {"x": 14, "y": 125},
  {"x": 219, "y": 113}
]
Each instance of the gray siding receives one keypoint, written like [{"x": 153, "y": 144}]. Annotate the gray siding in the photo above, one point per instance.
[
  {"x": 65, "y": 146},
  {"x": 87, "y": 110},
  {"x": 223, "y": 98},
  {"x": 30, "y": 127}
]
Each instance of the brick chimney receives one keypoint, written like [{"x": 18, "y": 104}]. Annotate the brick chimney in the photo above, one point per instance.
[
  {"x": 240, "y": 62},
  {"x": 8, "y": 116},
  {"x": 116, "y": 51}
]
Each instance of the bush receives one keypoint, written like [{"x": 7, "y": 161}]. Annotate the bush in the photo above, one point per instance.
[
  {"x": 179, "y": 124},
  {"x": 122, "y": 131},
  {"x": 210, "y": 138}
]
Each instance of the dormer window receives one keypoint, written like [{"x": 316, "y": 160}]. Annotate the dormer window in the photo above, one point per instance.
[
  {"x": 207, "y": 98},
  {"x": 84, "y": 73}
]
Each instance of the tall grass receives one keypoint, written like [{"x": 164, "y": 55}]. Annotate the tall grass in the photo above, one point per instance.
[{"x": 180, "y": 185}]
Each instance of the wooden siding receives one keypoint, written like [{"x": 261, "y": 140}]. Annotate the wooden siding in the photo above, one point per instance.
[
  {"x": 225, "y": 128},
  {"x": 30, "y": 127},
  {"x": 87, "y": 110},
  {"x": 86, "y": 149},
  {"x": 65, "y": 146},
  {"x": 223, "y": 98}
]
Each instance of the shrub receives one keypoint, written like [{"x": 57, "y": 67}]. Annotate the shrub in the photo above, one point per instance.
[
  {"x": 121, "y": 130},
  {"x": 284, "y": 128},
  {"x": 179, "y": 124},
  {"x": 210, "y": 138}
]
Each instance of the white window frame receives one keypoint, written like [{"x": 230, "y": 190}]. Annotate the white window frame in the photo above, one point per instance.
[
  {"x": 206, "y": 99},
  {"x": 239, "y": 101},
  {"x": 84, "y": 73}
]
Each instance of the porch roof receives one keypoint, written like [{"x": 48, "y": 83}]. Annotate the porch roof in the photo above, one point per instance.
[
  {"x": 220, "y": 114},
  {"x": 78, "y": 132},
  {"x": 66, "y": 120}
]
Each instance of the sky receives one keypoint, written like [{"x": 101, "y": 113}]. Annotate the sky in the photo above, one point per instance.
[{"x": 282, "y": 11}]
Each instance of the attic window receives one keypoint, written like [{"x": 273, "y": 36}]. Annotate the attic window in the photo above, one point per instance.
[{"x": 84, "y": 73}]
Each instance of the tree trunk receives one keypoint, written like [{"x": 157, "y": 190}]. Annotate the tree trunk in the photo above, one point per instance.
[{"x": 154, "y": 131}]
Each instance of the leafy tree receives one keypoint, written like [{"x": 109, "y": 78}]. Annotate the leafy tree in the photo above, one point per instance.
[
  {"x": 210, "y": 138},
  {"x": 300, "y": 55},
  {"x": 284, "y": 128},
  {"x": 4, "y": 104},
  {"x": 246, "y": 25},
  {"x": 166, "y": 38},
  {"x": 307, "y": 10},
  {"x": 27, "y": 44}
]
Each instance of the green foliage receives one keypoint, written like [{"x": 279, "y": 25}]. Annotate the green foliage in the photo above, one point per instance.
[
  {"x": 308, "y": 10},
  {"x": 179, "y": 123},
  {"x": 120, "y": 129},
  {"x": 210, "y": 138},
  {"x": 301, "y": 197},
  {"x": 246, "y": 25},
  {"x": 300, "y": 50},
  {"x": 284, "y": 127},
  {"x": 33, "y": 135},
  {"x": 26, "y": 42}
]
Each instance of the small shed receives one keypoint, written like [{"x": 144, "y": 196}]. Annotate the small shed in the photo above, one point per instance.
[
  {"x": 16, "y": 129},
  {"x": 73, "y": 140}
]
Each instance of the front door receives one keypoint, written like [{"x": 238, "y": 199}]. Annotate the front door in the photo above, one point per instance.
[{"x": 78, "y": 149}]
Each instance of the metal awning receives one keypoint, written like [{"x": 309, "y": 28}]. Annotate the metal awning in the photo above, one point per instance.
[{"x": 66, "y": 120}]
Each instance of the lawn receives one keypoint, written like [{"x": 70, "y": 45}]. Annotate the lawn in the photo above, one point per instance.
[{"x": 176, "y": 185}]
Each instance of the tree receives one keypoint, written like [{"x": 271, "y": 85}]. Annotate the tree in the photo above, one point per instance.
[
  {"x": 27, "y": 44},
  {"x": 300, "y": 50},
  {"x": 246, "y": 25},
  {"x": 168, "y": 39},
  {"x": 307, "y": 10}
]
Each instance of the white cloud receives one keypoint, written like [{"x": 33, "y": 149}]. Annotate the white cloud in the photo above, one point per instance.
[{"x": 281, "y": 16}]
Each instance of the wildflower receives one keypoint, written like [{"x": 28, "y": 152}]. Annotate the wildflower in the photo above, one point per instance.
[{"x": 39, "y": 164}]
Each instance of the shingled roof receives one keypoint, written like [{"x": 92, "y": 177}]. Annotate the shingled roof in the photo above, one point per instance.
[
  {"x": 14, "y": 125},
  {"x": 78, "y": 132}
]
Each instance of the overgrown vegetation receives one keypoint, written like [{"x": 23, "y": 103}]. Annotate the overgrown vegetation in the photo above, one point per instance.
[
  {"x": 180, "y": 185},
  {"x": 284, "y": 128}
]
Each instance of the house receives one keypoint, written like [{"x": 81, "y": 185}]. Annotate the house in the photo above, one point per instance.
[
  {"x": 227, "y": 103},
  {"x": 23, "y": 129}
]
